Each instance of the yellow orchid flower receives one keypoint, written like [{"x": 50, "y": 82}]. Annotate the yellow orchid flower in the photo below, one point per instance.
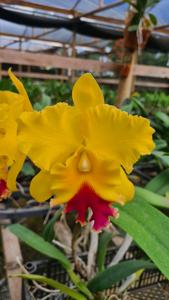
[
  {"x": 11, "y": 159},
  {"x": 84, "y": 152}
]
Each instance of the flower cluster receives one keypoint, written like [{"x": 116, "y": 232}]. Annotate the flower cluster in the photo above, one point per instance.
[
  {"x": 84, "y": 152},
  {"x": 11, "y": 159}
]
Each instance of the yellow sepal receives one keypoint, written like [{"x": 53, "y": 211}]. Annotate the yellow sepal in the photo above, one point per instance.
[{"x": 86, "y": 92}]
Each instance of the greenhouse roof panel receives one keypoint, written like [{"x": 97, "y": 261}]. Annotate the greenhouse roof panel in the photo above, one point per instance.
[{"x": 63, "y": 34}]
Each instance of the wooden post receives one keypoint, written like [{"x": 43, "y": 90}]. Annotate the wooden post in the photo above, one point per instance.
[
  {"x": 127, "y": 79},
  {"x": 11, "y": 250},
  {"x": 0, "y": 71},
  {"x": 133, "y": 41},
  {"x": 126, "y": 82},
  {"x": 64, "y": 53},
  {"x": 73, "y": 54},
  {"x": 20, "y": 49}
]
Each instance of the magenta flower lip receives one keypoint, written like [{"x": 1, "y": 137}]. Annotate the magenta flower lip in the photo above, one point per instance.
[{"x": 87, "y": 198}]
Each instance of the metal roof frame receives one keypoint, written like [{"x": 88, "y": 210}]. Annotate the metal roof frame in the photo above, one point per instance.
[{"x": 92, "y": 15}]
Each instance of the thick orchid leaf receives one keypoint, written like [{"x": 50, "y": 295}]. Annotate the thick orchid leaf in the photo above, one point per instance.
[
  {"x": 160, "y": 183},
  {"x": 160, "y": 144},
  {"x": 153, "y": 19},
  {"x": 163, "y": 117},
  {"x": 162, "y": 156},
  {"x": 105, "y": 280},
  {"x": 149, "y": 229},
  {"x": 39, "y": 244},
  {"x": 152, "y": 198},
  {"x": 104, "y": 240},
  {"x": 54, "y": 284},
  {"x": 48, "y": 231}
]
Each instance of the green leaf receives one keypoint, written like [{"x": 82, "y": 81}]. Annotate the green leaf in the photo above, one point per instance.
[
  {"x": 152, "y": 198},
  {"x": 39, "y": 244},
  {"x": 28, "y": 170},
  {"x": 162, "y": 156},
  {"x": 163, "y": 117},
  {"x": 114, "y": 274},
  {"x": 153, "y": 19},
  {"x": 160, "y": 144},
  {"x": 128, "y": 1},
  {"x": 54, "y": 284},
  {"x": 149, "y": 229},
  {"x": 44, "y": 101},
  {"x": 165, "y": 160},
  {"x": 80, "y": 284},
  {"x": 133, "y": 28},
  {"x": 160, "y": 183},
  {"x": 151, "y": 3},
  {"x": 104, "y": 240},
  {"x": 48, "y": 231}
]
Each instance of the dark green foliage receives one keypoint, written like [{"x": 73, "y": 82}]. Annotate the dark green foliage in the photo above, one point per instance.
[
  {"x": 39, "y": 244},
  {"x": 58, "y": 91},
  {"x": 48, "y": 231},
  {"x": 159, "y": 184},
  {"x": 141, "y": 7},
  {"x": 104, "y": 240},
  {"x": 114, "y": 274},
  {"x": 154, "y": 58},
  {"x": 149, "y": 229}
]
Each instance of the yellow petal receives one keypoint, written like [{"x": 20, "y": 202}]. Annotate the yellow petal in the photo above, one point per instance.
[
  {"x": 50, "y": 136},
  {"x": 103, "y": 177},
  {"x": 11, "y": 103},
  {"x": 40, "y": 187},
  {"x": 118, "y": 136},
  {"x": 8, "y": 143},
  {"x": 11, "y": 106},
  {"x": 86, "y": 92},
  {"x": 3, "y": 167},
  {"x": 67, "y": 181},
  {"x": 18, "y": 84},
  {"x": 14, "y": 171},
  {"x": 125, "y": 190}
]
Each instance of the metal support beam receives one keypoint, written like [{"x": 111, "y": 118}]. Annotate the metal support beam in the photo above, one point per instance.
[
  {"x": 59, "y": 10},
  {"x": 36, "y": 39},
  {"x": 103, "y": 8}
]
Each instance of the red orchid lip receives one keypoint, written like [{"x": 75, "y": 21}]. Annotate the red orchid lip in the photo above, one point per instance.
[
  {"x": 4, "y": 192},
  {"x": 87, "y": 198}
]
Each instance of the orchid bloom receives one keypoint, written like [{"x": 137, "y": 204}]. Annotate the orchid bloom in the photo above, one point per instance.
[
  {"x": 11, "y": 159},
  {"x": 84, "y": 152}
]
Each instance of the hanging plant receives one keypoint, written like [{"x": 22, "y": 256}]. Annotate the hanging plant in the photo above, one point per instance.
[{"x": 139, "y": 24}]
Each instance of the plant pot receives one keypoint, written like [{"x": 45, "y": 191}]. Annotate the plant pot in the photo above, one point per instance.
[{"x": 148, "y": 282}]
